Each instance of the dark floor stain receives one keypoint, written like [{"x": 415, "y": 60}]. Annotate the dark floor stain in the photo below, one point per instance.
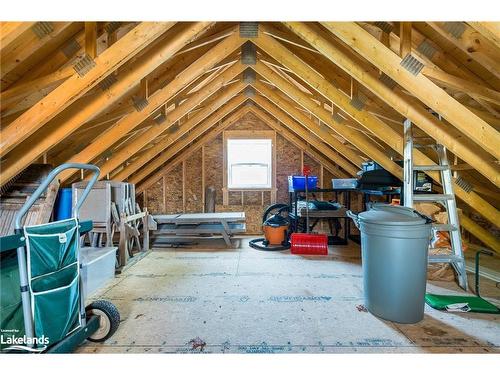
[
  {"x": 433, "y": 331},
  {"x": 197, "y": 343},
  {"x": 138, "y": 316},
  {"x": 361, "y": 308}
]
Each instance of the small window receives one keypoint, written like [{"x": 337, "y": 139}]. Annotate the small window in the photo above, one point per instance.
[{"x": 249, "y": 163}]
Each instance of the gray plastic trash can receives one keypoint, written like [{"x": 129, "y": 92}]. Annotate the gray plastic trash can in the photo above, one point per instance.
[{"x": 394, "y": 249}]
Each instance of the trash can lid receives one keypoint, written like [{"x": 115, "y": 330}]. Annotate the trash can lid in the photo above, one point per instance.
[{"x": 386, "y": 214}]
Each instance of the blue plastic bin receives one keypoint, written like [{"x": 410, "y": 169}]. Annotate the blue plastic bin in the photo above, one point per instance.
[
  {"x": 299, "y": 182},
  {"x": 62, "y": 209}
]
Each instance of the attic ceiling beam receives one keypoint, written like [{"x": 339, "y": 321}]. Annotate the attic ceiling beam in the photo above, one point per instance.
[
  {"x": 91, "y": 39},
  {"x": 276, "y": 107},
  {"x": 160, "y": 159},
  {"x": 76, "y": 86},
  {"x": 11, "y": 31},
  {"x": 305, "y": 118},
  {"x": 405, "y": 31},
  {"x": 305, "y": 147},
  {"x": 359, "y": 140},
  {"x": 174, "y": 116},
  {"x": 420, "y": 86},
  {"x": 37, "y": 84},
  {"x": 207, "y": 40},
  {"x": 89, "y": 107},
  {"x": 383, "y": 131},
  {"x": 297, "y": 134},
  {"x": 336, "y": 55},
  {"x": 462, "y": 85},
  {"x": 40, "y": 41},
  {"x": 370, "y": 122},
  {"x": 301, "y": 117},
  {"x": 471, "y": 42},
  {"x": 48, "y": 73},
  {"x": 186, "y": 152},
  {"x": 453, "y": 76},
  {"x": 489, "y": 30},
  {"x": 156, "y": 100},
  {"x": 405, "y": 105}
]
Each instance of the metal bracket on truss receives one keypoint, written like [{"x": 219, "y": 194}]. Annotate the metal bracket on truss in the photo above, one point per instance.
[
  {"x": 386, "y": 27},
  {"x": 249, "y": 92},
  {"x": 42, "y": 29},
  {"x": 173, "y": 128},
  {"x": 359, "y": 101},
  {"x": 160, "y": 119},
  {"x": 249, "y": 76},
  {"x": 139, "y": 103},
  {"x": 387, "y": 81},
  {"x": 456, "y": 29},
  {"x": 71, "y": 48},
  {"x": 84, "y": 65},
  {"x": 411, "y": 64},
  {"x": 112, "y": 27},
  {"x": 107, "y": 82},
  {"x": 427, "y": 49},
  {"x": 248, "y": 54},
  {"x": 249, "y": 29},
  {"x": 466, "y": 185}
]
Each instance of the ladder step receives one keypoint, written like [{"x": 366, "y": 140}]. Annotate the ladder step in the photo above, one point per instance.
[
  {"x": 444, "y": 227},
  {"x": 433, "y": 197},
  {"x": 445, "y": 258},
  {"x": 431, "y": 167}
]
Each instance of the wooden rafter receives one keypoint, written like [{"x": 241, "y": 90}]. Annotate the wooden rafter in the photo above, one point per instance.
[
  {"x": 287, "y": 127},
  {"x": 471, "y": 198},
  {"x": 89, "y": 107},
  {"x": 186, "y": 152},
  {"x": 472, "y": 43},
  {"x": 76, "y": 86},
  {"x": 360, "y": 141},
  {"x": 420, "y": 86},
  {"x": 158, "y": 161},
  {"x": 489, "y": 30},
  {"x": 443, "y": 70},
  {"x": 172, "y": 117},
  {"x": 31, "y": 48},
  {"x": 11, "y": 31},
  {"x": 156, "y": 100},
  {"x": 91, "y": 39},
  {"x": 404, "y": 104},
  {"x": 280, "y": 112},
  {"x": 344, "y": 102}
]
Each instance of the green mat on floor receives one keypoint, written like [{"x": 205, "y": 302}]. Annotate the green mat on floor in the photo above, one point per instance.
[{"x": 470, "y": 303}]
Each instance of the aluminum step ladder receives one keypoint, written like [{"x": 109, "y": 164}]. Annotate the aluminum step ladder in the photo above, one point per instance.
[{"x": 447, "y": 199}]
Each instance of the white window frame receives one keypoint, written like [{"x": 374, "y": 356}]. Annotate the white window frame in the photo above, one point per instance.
[{"x": 250, "y": 134}]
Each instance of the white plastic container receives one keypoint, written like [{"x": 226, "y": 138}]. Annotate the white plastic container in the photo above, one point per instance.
[{"x": 98, "y": 267}]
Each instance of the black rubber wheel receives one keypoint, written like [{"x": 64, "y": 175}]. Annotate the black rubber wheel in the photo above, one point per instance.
[{"x": 109, "y": 319}]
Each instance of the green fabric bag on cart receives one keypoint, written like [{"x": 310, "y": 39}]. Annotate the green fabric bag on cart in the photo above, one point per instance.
[
  {"x": 53, "y": 273},
  {"x": 11, "y": 309}
]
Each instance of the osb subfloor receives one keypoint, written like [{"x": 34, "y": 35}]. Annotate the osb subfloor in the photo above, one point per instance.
[{"x": 213, "y": 300}]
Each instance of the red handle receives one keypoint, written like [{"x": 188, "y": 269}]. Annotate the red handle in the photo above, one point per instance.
[{"x": 306, "y": 170}]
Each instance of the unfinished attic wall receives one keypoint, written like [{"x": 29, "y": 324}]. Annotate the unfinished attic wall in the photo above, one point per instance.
[{"x": 182, "y": 188}]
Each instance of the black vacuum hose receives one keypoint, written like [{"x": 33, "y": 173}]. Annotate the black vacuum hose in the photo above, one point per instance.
[{"x": 254, "y": 244}]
